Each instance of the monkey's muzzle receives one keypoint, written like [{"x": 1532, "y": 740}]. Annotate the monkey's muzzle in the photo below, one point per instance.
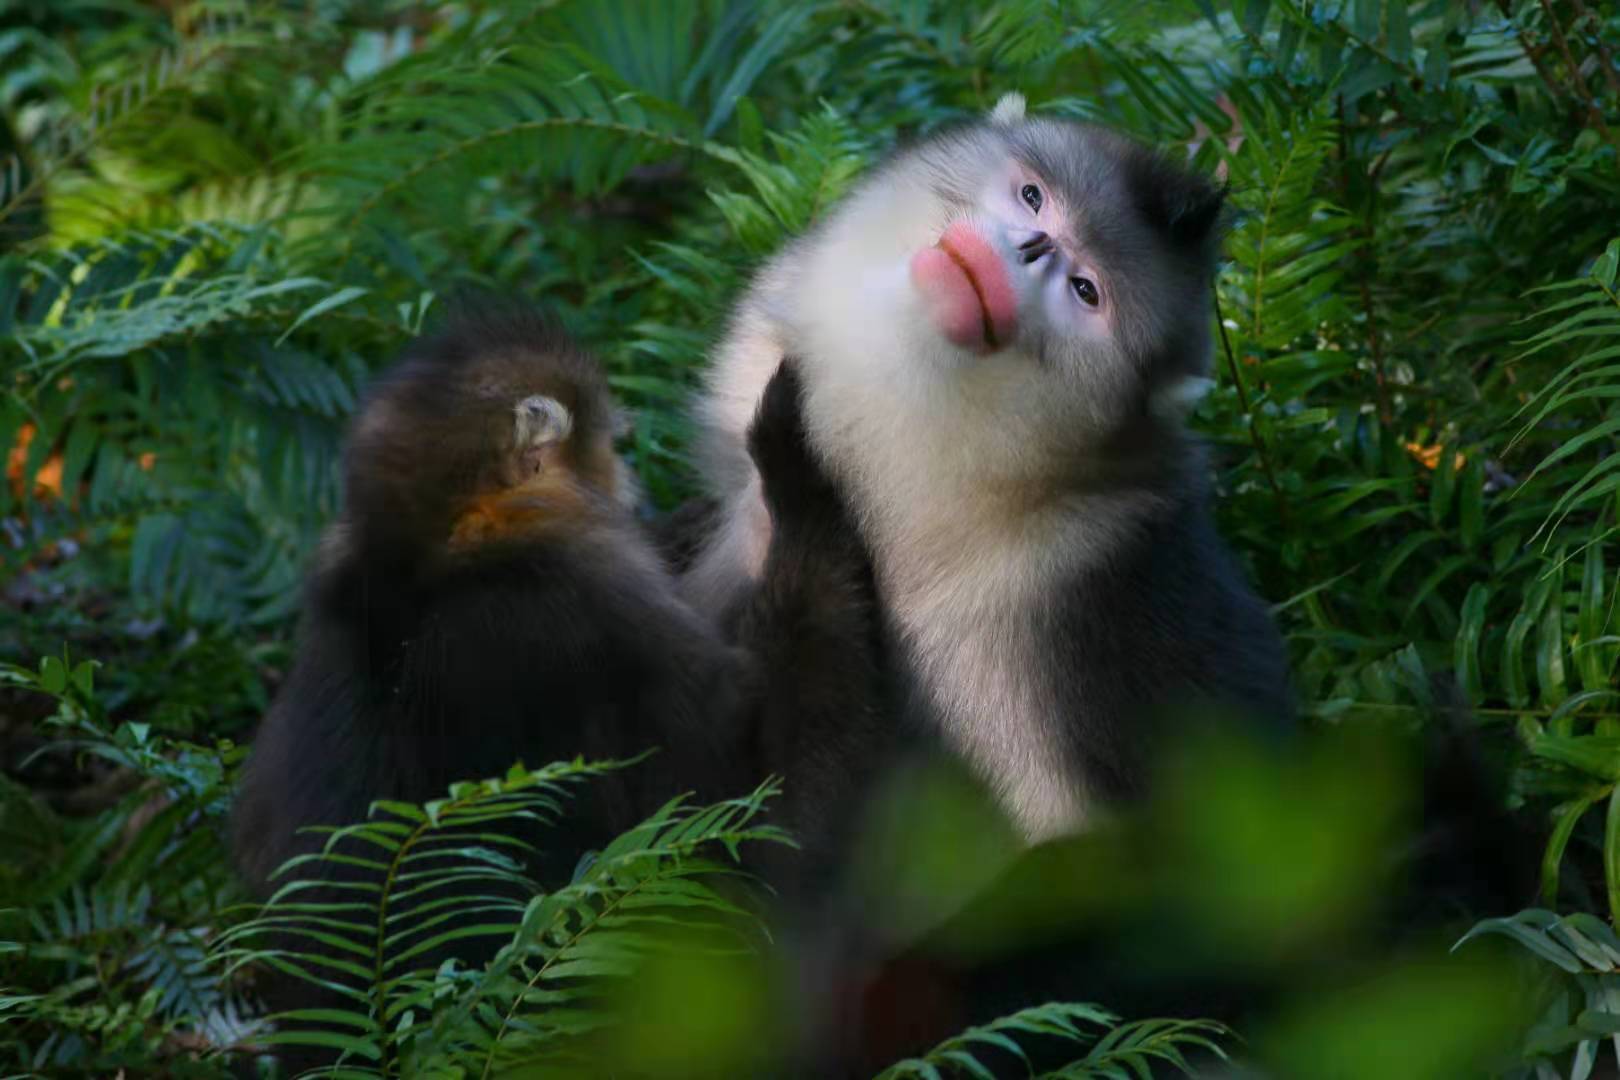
[{"x": 967, "y": 288}]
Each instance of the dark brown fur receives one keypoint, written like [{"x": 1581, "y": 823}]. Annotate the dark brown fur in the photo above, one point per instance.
[
  {"x": 812, "y": 626},
  {"x": 457, "y": 622}
]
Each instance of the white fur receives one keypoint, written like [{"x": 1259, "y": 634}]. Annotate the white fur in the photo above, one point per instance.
[
  {"x": 962, "y": 561},
  {"x": 746, "y": 360},
  {"x": 539, "y": 421}
]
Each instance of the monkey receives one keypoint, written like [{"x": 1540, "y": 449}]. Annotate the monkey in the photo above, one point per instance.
[
  {"x": 863, "y": 1008},
  {"x": 486, "y": 595},
  {"x": 998, "y": 332}
]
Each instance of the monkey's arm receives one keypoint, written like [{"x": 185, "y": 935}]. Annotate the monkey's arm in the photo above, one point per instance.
[
  {"x": 812, "y": 625},
  {"x": 812, "y": 620}
]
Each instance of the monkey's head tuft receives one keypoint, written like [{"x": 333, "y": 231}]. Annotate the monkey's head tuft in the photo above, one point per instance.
[
  {"x": 1036, "y": 287},
  {"x": 489, "y": 410}
]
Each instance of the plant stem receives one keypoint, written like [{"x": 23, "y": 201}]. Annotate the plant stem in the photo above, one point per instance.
[
  {"x": 1610, "y": 75},
  {"x": 1533, "y": 51},
  {"x": 1592, "y": 111},
  {"x": 1248, "y": 412},
  {"x": 1364, "y": 232}
]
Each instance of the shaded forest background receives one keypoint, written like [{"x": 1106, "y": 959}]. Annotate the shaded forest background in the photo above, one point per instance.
[{"x": 218, "y": 218}]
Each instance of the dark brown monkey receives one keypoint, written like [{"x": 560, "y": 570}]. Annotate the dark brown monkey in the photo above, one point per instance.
[{"x": 484, "y": 597}]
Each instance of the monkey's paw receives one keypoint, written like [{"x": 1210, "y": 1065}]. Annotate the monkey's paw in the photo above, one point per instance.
[{"x": 793, "y": 480}]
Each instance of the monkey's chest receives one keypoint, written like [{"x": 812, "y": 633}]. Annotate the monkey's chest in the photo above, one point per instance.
[{"x": 986, "y": 676}]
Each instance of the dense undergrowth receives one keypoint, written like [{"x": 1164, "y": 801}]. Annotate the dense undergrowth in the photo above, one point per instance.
[{"x": 216, "y": 218}]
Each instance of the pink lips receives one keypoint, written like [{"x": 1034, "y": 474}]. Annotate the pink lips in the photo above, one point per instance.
[{"x": 967, "y": 290}]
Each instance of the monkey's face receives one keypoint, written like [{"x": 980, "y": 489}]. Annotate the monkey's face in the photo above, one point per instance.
[
  {"x": 1017, "y": 283},
  {"x": 1010, "y": 272}
]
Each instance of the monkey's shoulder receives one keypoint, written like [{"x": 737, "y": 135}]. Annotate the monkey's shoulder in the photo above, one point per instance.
[{"x": 1171, "y": 615}]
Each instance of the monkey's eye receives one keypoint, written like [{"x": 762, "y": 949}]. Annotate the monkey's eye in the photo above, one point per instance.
[
  {"x": 1031, "y": 195},
  {"x": 1086, "y": 290}
]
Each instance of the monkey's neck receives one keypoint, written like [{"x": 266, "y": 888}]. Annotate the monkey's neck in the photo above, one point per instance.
[
  {"x": 550, "y": 503},
  {"x": 941, "y": 518}
]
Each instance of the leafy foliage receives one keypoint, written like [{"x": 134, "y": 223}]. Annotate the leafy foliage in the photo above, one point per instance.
[
  {"x": 130, "y": 989},
  {"x": 1125, "y": 1050},
  {"x": 218, "y": 217},
  {"x": 536, "y": 993},
  {"x": 107, "y": 915},
  {"x": 1584, "y": 1012}
]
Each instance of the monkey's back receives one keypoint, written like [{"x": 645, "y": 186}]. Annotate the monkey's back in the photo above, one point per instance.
[{"x": 538, "y": 651}]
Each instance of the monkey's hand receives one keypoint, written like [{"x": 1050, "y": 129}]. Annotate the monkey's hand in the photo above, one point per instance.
[{"x": 796, "y": 488}]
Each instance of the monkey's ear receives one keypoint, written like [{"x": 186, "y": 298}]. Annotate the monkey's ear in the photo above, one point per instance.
[
  {"x": 1199, "y": 215},
  {"x": 1009, "y": 110},
  {"x": 1186, "y": 205}
]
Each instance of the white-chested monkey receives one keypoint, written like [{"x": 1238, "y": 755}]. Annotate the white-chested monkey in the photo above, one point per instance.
[{"x": 998, "y": 332}]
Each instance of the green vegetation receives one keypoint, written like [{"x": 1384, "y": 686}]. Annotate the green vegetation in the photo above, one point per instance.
[{"x": 218, "y": 217}]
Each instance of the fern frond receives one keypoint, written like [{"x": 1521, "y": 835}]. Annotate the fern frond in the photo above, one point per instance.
[
  {"x": 1133, "y": 1049},
  {"x": 701, "y": 55},
  {"x": 115, "y": 297},
  {"x": 176, "y": 964},
  {"x": 553, "y": 111},
  {"x": 1019, "y": 33},
  {"x": 1120, "y": 1050},
  {"x": 267, "y": 421},
  {"x": 1579, "y": 963},
  {"x": 813, "y": 165},
  {"x": 1288, "y": 241},
  {"x": 577, "y": 941},
  {"x": 1579, "y": 394},
  {"x": 451, "y": 869},
  {"x": 86, "y": 207}
]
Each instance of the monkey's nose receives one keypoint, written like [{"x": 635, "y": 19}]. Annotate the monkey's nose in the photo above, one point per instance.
[{"x": 1035, "y": 245}]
